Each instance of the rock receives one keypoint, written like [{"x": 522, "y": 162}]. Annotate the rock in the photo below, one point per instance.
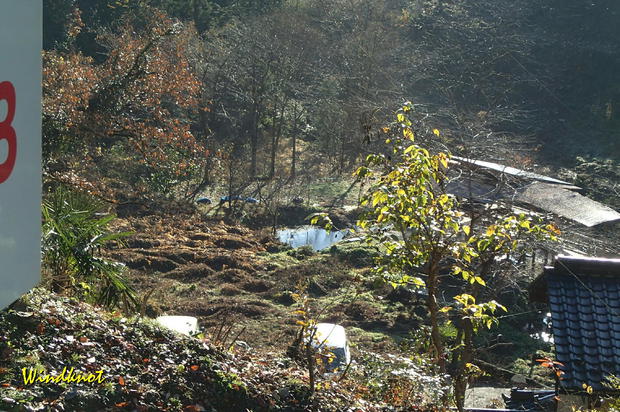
[{"x": 518, "y": 379}]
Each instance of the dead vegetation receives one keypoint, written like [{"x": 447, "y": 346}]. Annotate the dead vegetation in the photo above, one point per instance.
[{"x": 184, "y": 264}]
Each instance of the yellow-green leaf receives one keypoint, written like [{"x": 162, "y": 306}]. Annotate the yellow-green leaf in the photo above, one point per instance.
[
  {"x": 443, "y": 159},
  {"x": 408, "y": 133}
]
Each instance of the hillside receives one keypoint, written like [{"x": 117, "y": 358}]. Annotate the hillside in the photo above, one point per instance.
[
  {"x": 179, "y": 137},
  {"x": 144, "y": 366}
]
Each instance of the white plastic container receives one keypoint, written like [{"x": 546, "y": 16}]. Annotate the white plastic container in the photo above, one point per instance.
[
  {"x": 187, "y": 325},
  {"x": 333, "y": 338}
]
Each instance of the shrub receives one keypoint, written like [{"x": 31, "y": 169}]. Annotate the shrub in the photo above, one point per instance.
[
  {"x": 302, "y": 252},
  {"x": 357, "y": 255},
  {"x": 411, "y": 383},
  {"x": 73, "y": 236}
]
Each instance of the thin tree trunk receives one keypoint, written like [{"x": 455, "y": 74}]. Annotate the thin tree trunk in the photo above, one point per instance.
[
  {"x": 466, "y": 352},
  {"x": 467, "y": 356},
  {"x": 294, "y": 150},
  {"x": 274, "y": 145},
  {"x": 433, "y": 309},
  {"x": 275, "y": 142},
  {"x": 342, "y": 146},
  {"x": 310, "y": 358},
  {"x": 254, "y": 140}
]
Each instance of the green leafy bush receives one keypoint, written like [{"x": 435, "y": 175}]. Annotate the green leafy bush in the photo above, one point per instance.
[
  {"x": 301, "y": 252},
  {"x": 358, "y": 255},
  {"x": 73, "y": 235}
]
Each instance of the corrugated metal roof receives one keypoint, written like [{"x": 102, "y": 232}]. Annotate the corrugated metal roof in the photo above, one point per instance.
[
  {"x": 513, "y": 171},
  {"x": 557, "y": 199},
  {"x": 488, "y": 182}
]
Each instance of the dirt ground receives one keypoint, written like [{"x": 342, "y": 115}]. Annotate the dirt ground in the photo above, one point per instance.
[
  {"x": 240, "y": 282},
  {"x": 485, "y": 397}
]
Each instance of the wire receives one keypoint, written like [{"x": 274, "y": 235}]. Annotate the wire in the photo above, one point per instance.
[
  {"x": 519, "y": 314},
  {"x": 592, "y": 293}
]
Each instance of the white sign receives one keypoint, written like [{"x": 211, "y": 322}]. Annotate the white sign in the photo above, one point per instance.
[{"x": 20, "y": 147}]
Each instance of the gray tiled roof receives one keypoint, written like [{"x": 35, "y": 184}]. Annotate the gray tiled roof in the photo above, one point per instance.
[{"x": 584, "y": 300}]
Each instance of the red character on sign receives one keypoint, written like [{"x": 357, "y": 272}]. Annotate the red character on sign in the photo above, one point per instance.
[{"x": 7, "y": 92}]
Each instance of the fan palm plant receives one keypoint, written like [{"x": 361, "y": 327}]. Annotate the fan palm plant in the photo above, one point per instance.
[{"x": 73, "y": 235}]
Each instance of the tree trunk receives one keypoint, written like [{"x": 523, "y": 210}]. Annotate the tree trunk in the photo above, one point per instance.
[
  {"x": 253, "y": 140},
  {"x": 231, "y": 176},
  {"x": 274, "y": 145},
  {"x": 275, "y": 141},
  {"x": 310, "y": 358},
  {"x": 433, "y": 309},
  {"x": 342, "y": 149},
  {"x": 466, "y": 352},
  {"x": 466, "y": 357},
  {"x": 294, "y": 144}
]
